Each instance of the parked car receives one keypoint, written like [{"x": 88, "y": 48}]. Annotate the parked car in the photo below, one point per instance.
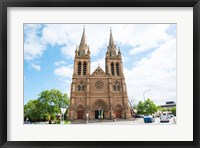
[
  {"x": 170, "y": 115},
  {"x": 138, "y": 116},
  {"x": 165, "y": 117},
  {"x": 148, "y": 119}
]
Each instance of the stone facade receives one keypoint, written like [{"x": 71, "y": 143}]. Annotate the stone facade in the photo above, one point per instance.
[{"x": 100, "y": 94}]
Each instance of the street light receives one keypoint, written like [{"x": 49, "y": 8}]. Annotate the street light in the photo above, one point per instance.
[
  {"x": 87, "y": 117},
  {"x": 145, "y": 92}
]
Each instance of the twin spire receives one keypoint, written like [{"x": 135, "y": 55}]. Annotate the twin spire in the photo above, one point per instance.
[{"x": 83, "y": 49}]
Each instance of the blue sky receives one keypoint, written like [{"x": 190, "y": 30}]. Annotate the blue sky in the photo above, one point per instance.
[{"x": 148, "y": 52}]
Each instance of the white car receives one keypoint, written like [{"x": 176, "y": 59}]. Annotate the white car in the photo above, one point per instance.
[{"x": 164, "y": 118}]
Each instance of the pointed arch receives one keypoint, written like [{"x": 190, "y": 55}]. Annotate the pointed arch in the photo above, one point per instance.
[
  {"x": 116, "y": 86},
  {"x": 84, "y": 68},
  {"x": 118, "y": 106},
  {"x": 117, "y": 69},
  {"x": 81, "y": 86},
  {"x": 80, "y": 106},
  {"x": 79, "y": 68},
  {"x": 118, "y": 109},
  {"x": 100, "y": 105},
  {"x": 112, "y": 69}
]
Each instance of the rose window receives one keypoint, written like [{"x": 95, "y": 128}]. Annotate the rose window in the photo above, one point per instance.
[{"x": 99, "y": 85}]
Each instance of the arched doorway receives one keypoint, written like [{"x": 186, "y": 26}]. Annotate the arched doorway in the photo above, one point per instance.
[
  {"x": 80, "y": 111},
  {"x": 118, "y": 111},
  {"x": 99, "y": 112},
  {"x": 100, "y": 109}
]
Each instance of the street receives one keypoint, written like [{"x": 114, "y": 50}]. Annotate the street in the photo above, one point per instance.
[
  {"x": 133, "y": 121},
  {"x": 136, "y": 121}
]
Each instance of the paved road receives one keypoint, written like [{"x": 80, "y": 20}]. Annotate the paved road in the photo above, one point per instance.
[{"x": 137, "y": 121}]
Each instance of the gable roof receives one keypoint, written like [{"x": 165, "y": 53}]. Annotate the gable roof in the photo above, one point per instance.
[{"x": 99, "y": 72}]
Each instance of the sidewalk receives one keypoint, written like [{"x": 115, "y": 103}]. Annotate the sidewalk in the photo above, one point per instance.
[{"x": 83, "y": 121}]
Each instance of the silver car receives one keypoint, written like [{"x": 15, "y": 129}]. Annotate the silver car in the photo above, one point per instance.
[{"x": 164, "y": 118}]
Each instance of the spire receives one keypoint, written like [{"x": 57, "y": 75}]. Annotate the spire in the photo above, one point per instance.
[
  {"x": 83, "y": 48},
  {"x": 111, "y": 47},
  {"x": 83, "y": 39},
  {"x": 111, "y": 41}
]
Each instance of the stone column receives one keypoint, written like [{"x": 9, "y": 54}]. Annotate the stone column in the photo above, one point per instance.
[
  {"x": 88, "y": 67},
  {"x": 75, "y": 67},
  {"x": 121, "y": 68}
]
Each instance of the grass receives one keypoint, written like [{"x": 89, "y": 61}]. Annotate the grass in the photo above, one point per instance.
[{"x": 66, "y": 122}]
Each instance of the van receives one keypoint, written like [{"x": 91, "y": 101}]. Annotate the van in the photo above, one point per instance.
[{"x": 165, "y": 117}]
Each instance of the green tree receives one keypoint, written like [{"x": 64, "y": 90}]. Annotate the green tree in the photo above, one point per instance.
[
  {"x": 52, "y": 100},
  {"x": 32, "y": 110},
  {"x": 47, "y": 106},
  {"x": 140, "y": 108},
  {"x": 173, "y": 110},
  {"x": 148, "y": 107}
]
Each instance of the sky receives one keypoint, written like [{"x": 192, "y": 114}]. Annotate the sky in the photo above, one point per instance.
[{"x": 148, "y": 55}]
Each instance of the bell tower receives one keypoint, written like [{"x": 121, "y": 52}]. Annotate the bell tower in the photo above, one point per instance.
[
  {"x": 113, "y": 64},
  {"x": 117, "y": 85},
  {"x": 80, "y": 79},
  {"x": 82, "y": 58}
]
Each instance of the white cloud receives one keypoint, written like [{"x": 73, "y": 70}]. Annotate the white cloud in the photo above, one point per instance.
[
  {"x": 68, "y": 50},
  {"x": 157, "y": 73},
  {"x": 64, "y": 71},
  {"x": 94, "y": 65},
  {"x": 33, "y": 47},
  {"x": 58, "y": 63},
  {"x": 33, "y": 50},
  {"x": 142, "y": 36},
  {"x": 36, "y": 67}
]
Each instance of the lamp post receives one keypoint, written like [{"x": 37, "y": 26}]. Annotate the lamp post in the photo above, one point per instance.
[
  {"x": 87, "y": 117},
  {"x": 145, "y": 92}
]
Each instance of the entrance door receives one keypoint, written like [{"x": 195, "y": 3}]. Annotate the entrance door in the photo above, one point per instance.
[
  {"x": 80, "y": 114},
  {"x": 96, "y": 114},
  {"x": 118, "y": 113}
]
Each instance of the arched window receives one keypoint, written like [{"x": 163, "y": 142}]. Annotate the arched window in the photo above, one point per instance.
[
  {"x": 114, "y": 88},
  {"x": 117, "y": 68},
  {"x": 112, "y": 69},
  {"x": 83, "y": 88},
  {"x": 118, "y": 87},
  {"x": 79, "y": 87},
  {"x": 79, "y": 68},
  {"x": 84, "y": 68}
]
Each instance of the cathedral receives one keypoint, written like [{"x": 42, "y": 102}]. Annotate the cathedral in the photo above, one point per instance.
[{"x": 99, "y": 95}]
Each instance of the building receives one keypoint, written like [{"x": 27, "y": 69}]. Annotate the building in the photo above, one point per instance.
[
  {"x": 99, "y": 94},
  {"x": 169, "y": 104}
]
